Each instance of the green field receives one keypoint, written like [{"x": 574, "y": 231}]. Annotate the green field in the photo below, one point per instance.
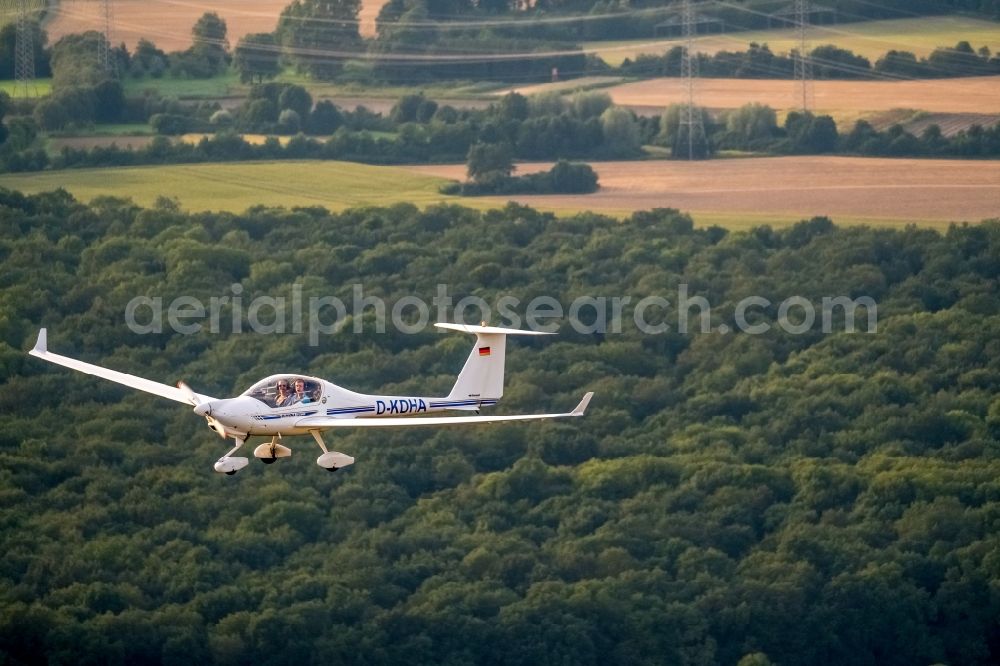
[
  {"x": 109, "y": 129},
  {"x": 39, "y": 88},
  {"x": 229, "y": 85},
  {"x": 870, "y": 39},
  {"x": 435, "y": 90},
  {"x": 236, "y": 187},
  {"x": 222, "y": 85}
]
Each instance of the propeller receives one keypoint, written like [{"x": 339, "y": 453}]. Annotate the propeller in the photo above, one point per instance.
[
  {"x": 202, "y": 408},
  {"x": 189, "y": 395}
]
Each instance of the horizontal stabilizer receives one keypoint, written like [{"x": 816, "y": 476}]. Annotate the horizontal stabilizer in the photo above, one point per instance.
[
  {"x": 320, "y": 422},
  {"x": 468, "y": 328}
]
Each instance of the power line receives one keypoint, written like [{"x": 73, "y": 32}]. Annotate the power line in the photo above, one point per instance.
[
  {"x": 464, "y": 54},
  {"x": 24, "y": 50},
  {"x": 105, "y": 55},
  {"x": 692, "y": 123},
  {"x": 803, "y": 67}
]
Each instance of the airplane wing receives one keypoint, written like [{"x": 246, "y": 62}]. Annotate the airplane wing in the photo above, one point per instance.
[
  {"x": 163, "y": 390},
  {"x": 320, "y": 422}
]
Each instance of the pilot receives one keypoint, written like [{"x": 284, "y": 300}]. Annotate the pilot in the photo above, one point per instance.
[
  {"x": 285, "y": 396},
  {"x": 300, "y": 392}
]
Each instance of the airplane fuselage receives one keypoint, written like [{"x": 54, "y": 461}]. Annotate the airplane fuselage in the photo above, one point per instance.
[{"x": 261, "y": 410}]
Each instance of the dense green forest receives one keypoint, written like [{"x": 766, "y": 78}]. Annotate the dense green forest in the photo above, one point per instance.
[{"x": 814, "y": 498}]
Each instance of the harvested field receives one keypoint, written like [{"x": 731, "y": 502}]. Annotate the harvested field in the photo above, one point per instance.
[
  {"x": 838, "y": 98},
  {"x": 168, "y": 22},
  {"x": 783, "y": 189},
  {"x": 367, "y": 15},
  {"x": 732, "y": 193}
]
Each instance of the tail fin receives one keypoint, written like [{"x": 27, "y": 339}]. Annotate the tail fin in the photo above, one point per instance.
[{"x": 482, "y": 376}]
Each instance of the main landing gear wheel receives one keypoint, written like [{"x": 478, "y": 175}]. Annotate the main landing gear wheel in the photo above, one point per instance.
[
  {"x": 331, "y": 461},
  {"x": 270, "y": 452},
  {"x": 229, "y": 466}
]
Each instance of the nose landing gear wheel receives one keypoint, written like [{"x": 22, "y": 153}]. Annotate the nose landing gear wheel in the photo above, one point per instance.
[{"x": 229, "y": 465}]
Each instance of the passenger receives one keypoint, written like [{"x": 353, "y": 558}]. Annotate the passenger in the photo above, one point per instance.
[
  {"x": 300, "y": 392},
  {"x": 285, "y": 396}
]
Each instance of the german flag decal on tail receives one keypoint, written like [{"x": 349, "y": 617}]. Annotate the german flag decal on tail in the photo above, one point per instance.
[{"x": 484, "y": 351}]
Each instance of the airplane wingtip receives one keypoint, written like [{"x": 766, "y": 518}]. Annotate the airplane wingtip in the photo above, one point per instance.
[
  {"x": 582, "y": 407},
  {"x": 42, "y": 343}
]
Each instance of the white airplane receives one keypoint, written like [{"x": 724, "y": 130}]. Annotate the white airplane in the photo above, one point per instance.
[{"x": 290, "y": 404}]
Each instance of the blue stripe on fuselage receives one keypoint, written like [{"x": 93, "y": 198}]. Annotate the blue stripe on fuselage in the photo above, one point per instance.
[
  {"x": 406, "y": 406},
  {"x": 272, "y": 417}
]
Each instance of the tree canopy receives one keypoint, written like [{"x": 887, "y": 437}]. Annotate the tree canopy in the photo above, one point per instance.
[
  {"x": 729, "y": 498},
  {"x": 257, "y": 57},
  {"x": 320, "y": 35}
]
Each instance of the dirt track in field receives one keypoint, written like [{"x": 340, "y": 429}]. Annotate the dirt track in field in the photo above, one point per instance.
[
  {"x": 965, "y": 95},
  {"x": 168, "y": 23},
  {"x": 855, "y": 188}
]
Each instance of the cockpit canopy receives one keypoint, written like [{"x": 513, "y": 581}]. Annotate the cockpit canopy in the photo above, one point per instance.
[{"x": 286, "y": 390}]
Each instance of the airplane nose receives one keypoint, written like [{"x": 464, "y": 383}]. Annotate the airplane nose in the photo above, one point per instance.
[{"x": 203, "y": 409}]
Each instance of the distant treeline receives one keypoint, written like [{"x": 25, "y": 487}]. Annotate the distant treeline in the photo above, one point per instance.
[
  {"x": 309, "y": 44},
  {"x": 543, "y": 127},
  {"x": 754, "y": 127},
  {"x": 826, "y": 62},
  {"x": 412, "y": 49},
  {"x": 73, "y": 59},
  {"x": 417, "y": 130},
  {"x": 490, "y": 173},
  {"x": 604, "y": 19},
  {"x": 93, "y": 98}
]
